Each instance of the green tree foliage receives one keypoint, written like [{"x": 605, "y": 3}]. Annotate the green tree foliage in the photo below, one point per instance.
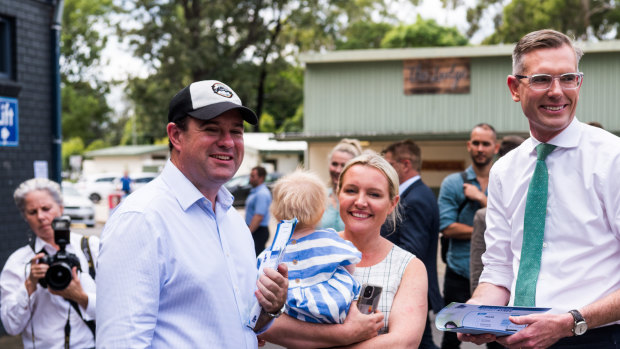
[
  {"x": 423, "y": 33},
  {"x": 250, "y": 45},
  {"x": 363, "y": 35},
  {"x": 73, "y": 146},
  {"x": 294, "y": 124},
  {"x": 85, "y": 112},
  {"x": 98, "y": 144},
  {"x": 581, "y": 19},
  {"x": 267, "y": 124}
]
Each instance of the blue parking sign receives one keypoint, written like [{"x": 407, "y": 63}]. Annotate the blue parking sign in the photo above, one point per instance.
[{"x": 9, "y": 125}]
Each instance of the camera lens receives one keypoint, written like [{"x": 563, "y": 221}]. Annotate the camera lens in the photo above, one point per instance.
[
  {"x": 368, "y": 291},
  {"x": 58, "y": 276}
]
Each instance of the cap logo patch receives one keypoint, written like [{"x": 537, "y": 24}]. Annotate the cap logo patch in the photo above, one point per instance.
[{"x": 222, "y": 90}]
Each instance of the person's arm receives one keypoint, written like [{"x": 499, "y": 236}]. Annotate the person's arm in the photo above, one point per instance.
[
  {"x": 474, "y": 194},
  {"x": 356, "y": 327},
  {"x": 73, "y": 291},
  {"x": 477, "y": 248},
  {"x": 15, "y": 298},
  {"x": 408, "y": 313},
  {"x": 450, "y": 195},
  {"x": 544, "y": 330},
  {"x": 261, "y": 209},
  {"x": 485, "y": 294},
  {"x": 255, "y": 222},
  {"x": 129, "y": 272},
  {"x": 271, "y": 294},
  {"x": 458, "y": 231}
]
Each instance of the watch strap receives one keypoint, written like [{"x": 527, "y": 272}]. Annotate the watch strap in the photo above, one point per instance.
[
  {"x": 276, "y": 314},
  {"x": 578, "y": 319}
]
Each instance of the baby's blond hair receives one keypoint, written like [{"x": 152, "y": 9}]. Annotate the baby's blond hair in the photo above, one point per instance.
[{"x": 300, "y": 194}]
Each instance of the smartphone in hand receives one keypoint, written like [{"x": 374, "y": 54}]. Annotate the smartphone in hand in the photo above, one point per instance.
[{"x": 369, "y": 298}]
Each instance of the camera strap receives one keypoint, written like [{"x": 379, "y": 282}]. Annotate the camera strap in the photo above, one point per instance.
[
  {"x": 89, "y": 323},
  {"x": 89, "y": 256}
]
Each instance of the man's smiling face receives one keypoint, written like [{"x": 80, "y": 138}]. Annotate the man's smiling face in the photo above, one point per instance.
[{"x": 548, "y": 111}]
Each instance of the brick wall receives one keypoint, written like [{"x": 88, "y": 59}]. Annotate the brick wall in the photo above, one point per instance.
[{"x": 33, "y": 80}]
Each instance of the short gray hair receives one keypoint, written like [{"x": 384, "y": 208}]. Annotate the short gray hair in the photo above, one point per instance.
[{"x": 35, "y": 184}]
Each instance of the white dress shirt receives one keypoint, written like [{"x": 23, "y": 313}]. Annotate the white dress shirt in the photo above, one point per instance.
[
  {"x": 44, "y": 312},
  {"x": 580, "y": 260},
  {"x": 172, "y": 273}
]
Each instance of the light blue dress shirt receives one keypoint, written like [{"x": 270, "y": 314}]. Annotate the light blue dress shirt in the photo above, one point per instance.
[
  {"x": 258, "y": 203},
  {"x": 451, "y": 196},
  {"x": 174, "y": 274}
]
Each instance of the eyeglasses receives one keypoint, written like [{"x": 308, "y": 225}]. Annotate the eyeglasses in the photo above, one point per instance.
[{"x": 568, "y": 81}]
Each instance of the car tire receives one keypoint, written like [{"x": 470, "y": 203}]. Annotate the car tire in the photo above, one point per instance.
[{"x": 94, "y": 197}]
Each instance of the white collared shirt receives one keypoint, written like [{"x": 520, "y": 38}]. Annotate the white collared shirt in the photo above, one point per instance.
[
  {"x": 581, "y": 247},
  {"x": 44, "y": 312},
  {"x": 173, "y": 273}
]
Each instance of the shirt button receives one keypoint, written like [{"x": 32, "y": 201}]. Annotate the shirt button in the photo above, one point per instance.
[
  {"x": 544, "y": 244},
  {"x": 293, "y": 242},
  {"x": 294, "y": 262},
  {"x": 297, "y": 281}
]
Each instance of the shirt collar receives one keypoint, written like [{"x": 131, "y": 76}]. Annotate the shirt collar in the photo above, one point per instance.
[
  {"x": 404, "y": 185},
  {"x": 568, "y": 138},
  {"x": 256, "y": 188},
  {"x": 186, "y": 193}
]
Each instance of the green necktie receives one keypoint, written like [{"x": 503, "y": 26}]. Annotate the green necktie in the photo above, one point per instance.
[{"x": 533, "y": 231}]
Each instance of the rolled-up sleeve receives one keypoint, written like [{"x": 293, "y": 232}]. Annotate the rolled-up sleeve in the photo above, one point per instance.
[{"x": 449, "y": 194}]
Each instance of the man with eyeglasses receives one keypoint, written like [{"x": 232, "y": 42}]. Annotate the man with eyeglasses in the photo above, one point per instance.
[
  {"x": 417, "y": 231},
  {"x": 576, "y": 249}
]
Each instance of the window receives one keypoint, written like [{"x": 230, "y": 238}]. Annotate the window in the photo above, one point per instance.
[{"x": 6, "y": 48}]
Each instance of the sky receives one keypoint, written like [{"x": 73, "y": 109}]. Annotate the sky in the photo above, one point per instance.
[{"x": 121, "y": 64}]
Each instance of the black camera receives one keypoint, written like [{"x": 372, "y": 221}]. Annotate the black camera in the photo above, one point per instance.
[{"x": 58, "y": 276}]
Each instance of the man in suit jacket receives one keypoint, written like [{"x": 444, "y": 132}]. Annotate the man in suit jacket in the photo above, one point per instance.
[{"x": 418, "y": 230}]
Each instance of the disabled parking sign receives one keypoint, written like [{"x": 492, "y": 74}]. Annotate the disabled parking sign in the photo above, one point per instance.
[{"x": 9, "y": 125}]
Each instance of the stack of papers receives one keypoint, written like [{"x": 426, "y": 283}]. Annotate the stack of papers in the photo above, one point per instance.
[{"x": 478, "y": 319}]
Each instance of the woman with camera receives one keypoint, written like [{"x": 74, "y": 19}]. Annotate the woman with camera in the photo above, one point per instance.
[
  {"x": 368, "y": 195},
  {"x": 49, "y": 310}
]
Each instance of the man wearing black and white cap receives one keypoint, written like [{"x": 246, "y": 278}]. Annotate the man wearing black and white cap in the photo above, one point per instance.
[{"x": 177, "y": 266}]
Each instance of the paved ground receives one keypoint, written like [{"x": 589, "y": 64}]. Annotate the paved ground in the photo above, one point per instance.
[{"x": 9, "y": 342}]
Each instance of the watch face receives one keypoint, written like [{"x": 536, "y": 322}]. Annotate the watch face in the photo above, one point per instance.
[{"x": 580, "y": 328}]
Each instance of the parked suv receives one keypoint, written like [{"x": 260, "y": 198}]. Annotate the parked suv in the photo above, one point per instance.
[
  {"x": 98, "y": 186},
  {"x": 77, "y": 206}
]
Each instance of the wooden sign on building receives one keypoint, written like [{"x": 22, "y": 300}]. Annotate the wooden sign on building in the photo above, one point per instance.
[{"x": 436, "y": 76}]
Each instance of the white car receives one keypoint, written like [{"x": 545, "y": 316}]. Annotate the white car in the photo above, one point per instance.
[
  {"x": 77, "y": 206},
  {"x": 98, "y": 186},
  {"x": 138, "y": 180}
]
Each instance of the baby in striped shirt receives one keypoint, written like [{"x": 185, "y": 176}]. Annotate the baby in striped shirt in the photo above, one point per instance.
[{"x": 320, "y": 263}]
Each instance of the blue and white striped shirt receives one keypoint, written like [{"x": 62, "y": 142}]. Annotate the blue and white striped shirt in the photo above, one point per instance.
[{"x": 320, "y": 288}]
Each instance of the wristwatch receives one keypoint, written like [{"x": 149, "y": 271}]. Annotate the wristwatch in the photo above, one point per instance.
[
  {"x": 580, "y": 327},
  {"x": 276, "y": 314}
]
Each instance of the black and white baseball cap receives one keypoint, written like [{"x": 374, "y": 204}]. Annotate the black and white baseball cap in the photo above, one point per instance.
[{"x": 206, "y": 100}]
